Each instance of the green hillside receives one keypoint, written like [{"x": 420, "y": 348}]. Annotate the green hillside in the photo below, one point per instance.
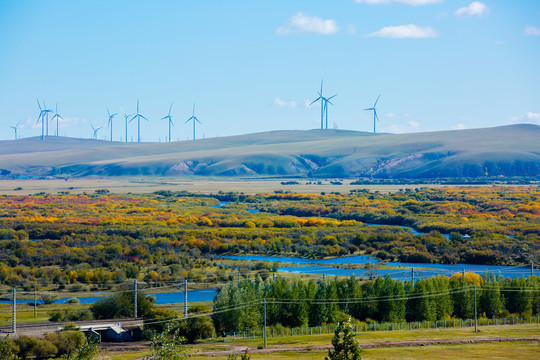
[{"x": 501, "y": 151}]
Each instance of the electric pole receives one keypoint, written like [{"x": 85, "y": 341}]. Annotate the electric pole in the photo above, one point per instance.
[
  {"x": 135, "y": 298},
  {"x": 264, "y": 329},
  {"x": 185, "y": 299},
  {"x": 14, "y": 315},
  {"x": 412, "y": 275},
  {"x": 35, "y": 300},
  {"x": 475, "y": 319}
]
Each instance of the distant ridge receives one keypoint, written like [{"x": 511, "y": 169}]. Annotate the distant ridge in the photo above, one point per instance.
[{"x": 507, "y": 151}]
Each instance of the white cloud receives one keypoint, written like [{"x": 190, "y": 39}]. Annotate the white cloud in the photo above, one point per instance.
[
  {"x": 459, "y": 126},
  {"x": 305, "y": 24},
  {"x": 531, "y": 31},
  {"x": 405, "y": 32},
  {"x": 284, "y": 103},
  {"x": 528, "y": 117},
  {"x": 307, "y": 103},
  {"x": 413, "y": 124},
  {"x": 390, "y": 115},
  {"x": 405, "y": 2},
  {"x": 474, "y": 8}
]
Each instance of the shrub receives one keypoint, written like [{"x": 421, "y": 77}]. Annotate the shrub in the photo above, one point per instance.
[
  {"x": 27, "y": 346},
  {"x": 45, "y": 350},
  {"x": 67, "y": 342},
  {"x": 120, "y": 305},
  {"x": 7, "y": 349},
  {"x": 196, "y": 328}
]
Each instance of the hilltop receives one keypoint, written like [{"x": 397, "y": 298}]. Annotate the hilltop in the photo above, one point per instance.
[{"x": 508, "y": 151}]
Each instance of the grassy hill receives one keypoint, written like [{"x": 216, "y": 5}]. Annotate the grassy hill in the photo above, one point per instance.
[{"x": 500, "y": 151}]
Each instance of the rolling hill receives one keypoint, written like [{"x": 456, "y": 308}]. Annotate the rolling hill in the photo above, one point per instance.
[{"x": 508, "y": 151}]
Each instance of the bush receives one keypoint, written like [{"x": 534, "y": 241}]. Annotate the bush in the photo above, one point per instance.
[
  {"x": 27, "y": 346},
  {"x": 65, "y": 315},
  {"x": 120, "y": 305},
  {"x": 7, "y": 349},
  {"x": 167, "y": 346},
  {"x": 45, "y": 350},
  {"x": 48, "y": 298},
  {"x": 67, "y": 342},
  {"x": 196, "y": 328}
]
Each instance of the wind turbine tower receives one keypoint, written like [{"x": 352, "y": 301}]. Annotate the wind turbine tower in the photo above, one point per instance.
[
  {"x": 126, "y": 117},
  {"x": 15, "y": 129},
  {"x": 111, "y": 117},
  {"x": 374, "y": 108},
  {"x": 57, "y": 116},
  {"x": 138, "y": 116},
  {"x": 169, "y": 117},
  {"x": 322, "y": 104},
  {"x": 193, "y": 118}
]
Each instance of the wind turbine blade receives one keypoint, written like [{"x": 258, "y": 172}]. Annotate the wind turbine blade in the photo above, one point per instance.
[
  {"x": 170, "y": 120},
  {"x": 368, "y": 109},
  {"x": 197, "y": 120},
  {"x": 187, "y": 121},
  {"x": 376, "y": 101},
  {"x": 165, "y": 117},
  {"x": 314, "y": 101},
  {"x": 170, "y": 108},
  {"x": 38, "y": 104},
  {"x": 133, "y": 118},
  {"x": 333, "y": 96},
  {"x": 144, "y": 118},
  {"x": 137, "y": 106},
  {"x": 193, "y": 109},
  {"x": 376, "y": 116}
]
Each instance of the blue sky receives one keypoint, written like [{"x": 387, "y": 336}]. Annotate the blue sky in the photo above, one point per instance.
[{"x": 252, "y": 66}]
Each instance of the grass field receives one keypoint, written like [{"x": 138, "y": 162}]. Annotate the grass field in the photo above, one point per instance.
[
  {"x": 191, "y": 184},
  {"x": 496, "y": 350}
]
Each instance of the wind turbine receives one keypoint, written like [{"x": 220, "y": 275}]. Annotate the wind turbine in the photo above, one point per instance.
[
  {"x": 111, "y": 117},
  {"x": 170, "y": 120},
  {"x": 138, "y": 116},
  {"x": 193, "y": 118},
  {"x": 57, "y": 116},
  {"x": 126, "y": 117},
  {"x": 374, "y": 108},
  {"x": 326, "y": 102},
  {"x": 95, "y": 131},
  {"x": 15, "y": 128},
  {"x": 322, "y": 104},
  {"x": 42, "y": 118},
  {"x": 47, "y": 111}
]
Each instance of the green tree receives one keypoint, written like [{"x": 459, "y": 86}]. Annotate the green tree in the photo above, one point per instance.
[
  {"x": 167, "y": 346},
  {"x": 345, "y": 346},
  {"x": 27, "y": 346}
]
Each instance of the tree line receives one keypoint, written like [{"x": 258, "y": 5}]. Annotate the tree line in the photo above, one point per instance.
[{"x": 239, "y": 306}]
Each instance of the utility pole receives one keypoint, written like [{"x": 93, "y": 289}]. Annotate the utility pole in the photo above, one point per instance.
[
  {"x": 463, "y": 274},
  {"x": 185, "y": 299},
  {"x": 35, "y": 300},
  {"x": 14, "y": 315},
  {"x": 324, "y": 278},
  {"x": 238, "y": 277},
  {"x": 264, "y": 329},
  {"x": 412, "y": 275},
  {"x": 135, "y": 298},
  {"x": 532, "y": 268},
  {"x": 274, "y": 277},
  {"x": 475, "y": 319}
]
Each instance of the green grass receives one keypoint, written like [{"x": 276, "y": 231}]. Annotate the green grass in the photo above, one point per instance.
[
  {"x": 404, "y": 335},
  {"x": 504, "y": 350}
]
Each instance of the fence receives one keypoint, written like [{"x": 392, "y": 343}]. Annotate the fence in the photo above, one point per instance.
[{"x": 439, "y": 324}]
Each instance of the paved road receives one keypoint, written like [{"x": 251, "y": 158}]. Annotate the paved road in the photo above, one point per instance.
[{"x": 38, "y": 329}]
